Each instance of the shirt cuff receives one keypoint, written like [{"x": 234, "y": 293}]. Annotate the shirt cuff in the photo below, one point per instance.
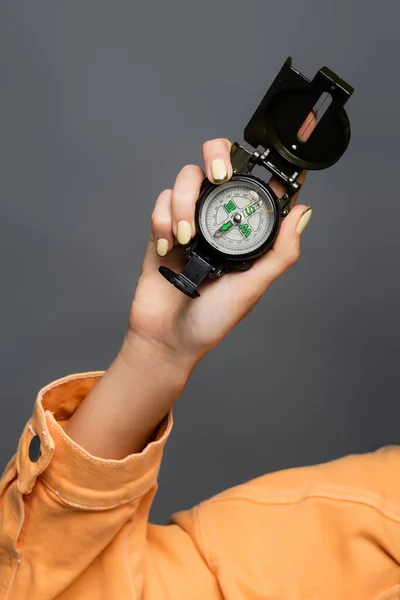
[{"x": 74, "y": 475}]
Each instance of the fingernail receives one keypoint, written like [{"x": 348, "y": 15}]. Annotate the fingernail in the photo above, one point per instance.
[
  {"x": 219, "y": 170},
  {"x": 162, "y": 247},
  {"x": 305, "y": 217},
  {"x": 184, "y": 232}
]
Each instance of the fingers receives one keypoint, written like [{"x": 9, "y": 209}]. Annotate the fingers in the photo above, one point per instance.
[
  {"x": 184, "y": 197},
  {"x": 173, "y": 215},
  {"x": 161, "y": 223},
  {"x": 217, "y": 160}
]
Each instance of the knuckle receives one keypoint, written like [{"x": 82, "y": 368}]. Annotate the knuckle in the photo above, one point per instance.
[
  {"x": 226, "y": 142},
  {"x": 158, "y": 222},
  {"x": 213, "y": 142},
  {"x": 293, "y": 256},
  {"x": 162, "y": 197},
  {"x": 210, "y": 147},
  {"x": 165, "y": 192},
  {"x": 160, "y": 203},
  {"x": 207, "y": 144},
  {"x": 190, "y": 169}
]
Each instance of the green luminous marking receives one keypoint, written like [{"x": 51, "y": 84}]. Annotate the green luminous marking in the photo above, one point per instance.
[
  {"x": 245, "y": 229},
  {"x": 250, "y": 210},
  {"x": 230, "y": 206},
  {"x": 226, "y": 226}
]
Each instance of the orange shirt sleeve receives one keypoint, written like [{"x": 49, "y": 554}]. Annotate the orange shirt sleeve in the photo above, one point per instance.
[
  {"x": 74, "y": 526},
  {"x": 328, "y": 531}
]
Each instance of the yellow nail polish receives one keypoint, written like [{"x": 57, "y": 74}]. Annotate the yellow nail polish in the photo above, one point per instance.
[
  {"x": 162, "y": 247},
  {"x": 219, "y": 170},
  {"x": 184, "y": 232},
  {"x": 306, "y": 216}
]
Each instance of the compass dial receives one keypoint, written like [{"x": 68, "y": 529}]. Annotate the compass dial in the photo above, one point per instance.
[{"x": 237, "y": 218}]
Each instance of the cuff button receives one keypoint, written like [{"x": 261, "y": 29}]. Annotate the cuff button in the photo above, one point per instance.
[{"x": 34, "y": 449}]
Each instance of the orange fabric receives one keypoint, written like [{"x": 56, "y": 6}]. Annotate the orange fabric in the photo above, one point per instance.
[{"x": 73, "y": 526}]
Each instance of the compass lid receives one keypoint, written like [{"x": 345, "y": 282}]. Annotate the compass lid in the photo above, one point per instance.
[{"x": 277, "y": 122}]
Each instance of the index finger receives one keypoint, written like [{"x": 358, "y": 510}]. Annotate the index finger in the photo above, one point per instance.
[{"x": 217, "y": 160}]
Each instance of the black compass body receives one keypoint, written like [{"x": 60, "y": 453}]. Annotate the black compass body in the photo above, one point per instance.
[{"x": 237, "y": 222}]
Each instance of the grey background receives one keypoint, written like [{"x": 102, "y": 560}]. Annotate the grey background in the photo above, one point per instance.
[{"x": 101, "y": 104}]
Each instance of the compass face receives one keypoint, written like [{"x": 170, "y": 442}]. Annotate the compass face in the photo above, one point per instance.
[{"x": 237, "y": 217}]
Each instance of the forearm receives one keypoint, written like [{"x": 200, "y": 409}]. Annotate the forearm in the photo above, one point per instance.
[{"x": 120, "y": 413}]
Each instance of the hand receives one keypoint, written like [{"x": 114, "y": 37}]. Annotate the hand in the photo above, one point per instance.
[{"x": 181, "y": 328}]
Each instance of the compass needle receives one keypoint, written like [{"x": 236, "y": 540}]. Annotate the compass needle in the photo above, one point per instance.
[{"x": 225, "y": 227}]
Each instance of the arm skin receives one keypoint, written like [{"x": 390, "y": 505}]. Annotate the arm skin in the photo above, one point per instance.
[{"x": 115, "y": 418}]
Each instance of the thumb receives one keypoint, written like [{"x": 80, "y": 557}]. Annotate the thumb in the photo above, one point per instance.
[
  {"x": 287, "y": 243},
  {"x": 286, "y": 250}
]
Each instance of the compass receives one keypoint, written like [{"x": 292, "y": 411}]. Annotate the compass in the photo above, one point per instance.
[
  {"x": 238, "y": 221},
  {"x": 237, "y": 218}
]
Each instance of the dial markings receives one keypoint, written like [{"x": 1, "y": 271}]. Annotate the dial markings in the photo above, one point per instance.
[{"x": 237, "y": 217}]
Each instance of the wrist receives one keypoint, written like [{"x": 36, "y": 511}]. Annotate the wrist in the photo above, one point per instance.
[
  {"x": 121, "y": 413},
  {"x": 138, "y": 348}
]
